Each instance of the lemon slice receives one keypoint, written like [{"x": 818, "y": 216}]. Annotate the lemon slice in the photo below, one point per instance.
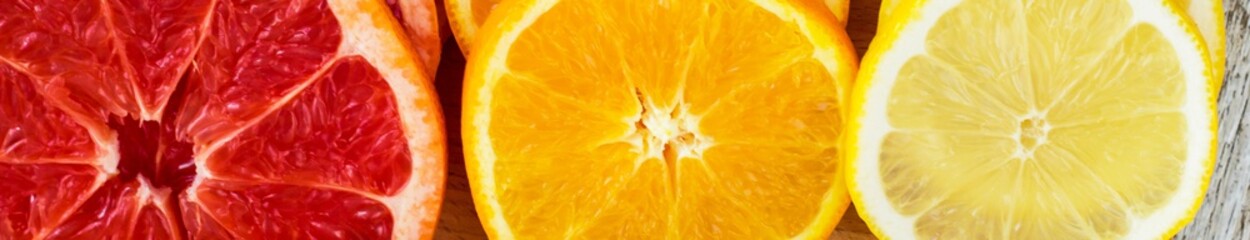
[
  {"x": 683, "y": 119},
  {"x": 1208, "y": 16},
  {"x": 989, "y": 119}
]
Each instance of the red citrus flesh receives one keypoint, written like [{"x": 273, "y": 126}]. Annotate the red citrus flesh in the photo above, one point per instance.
[{"x": 217, "y": 119}]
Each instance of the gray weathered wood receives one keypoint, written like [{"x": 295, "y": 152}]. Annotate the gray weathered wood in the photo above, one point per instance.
[{"x": 1225, "y": 213}]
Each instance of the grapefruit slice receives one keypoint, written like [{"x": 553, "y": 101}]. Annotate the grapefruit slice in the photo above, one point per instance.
[
  {"x": 991, "y": 119},
  {"x": 419, "y": 19},
  {"x": 689, "y": 119},
  {"x": 210, "y": 119},
  {"x": 467, "y": 16}
]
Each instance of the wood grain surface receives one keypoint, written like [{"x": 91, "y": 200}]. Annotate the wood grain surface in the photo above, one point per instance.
[{"x": 1225, "y": 213}]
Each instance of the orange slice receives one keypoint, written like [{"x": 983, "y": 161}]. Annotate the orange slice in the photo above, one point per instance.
[{"x": 687, "y": 119}]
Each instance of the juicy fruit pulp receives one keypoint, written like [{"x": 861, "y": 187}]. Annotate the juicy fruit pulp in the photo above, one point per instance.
[
  {"x": 637, "y": 119},
  {"x": 203, "y": 119},
  {"x": 1032, "y": 120}
]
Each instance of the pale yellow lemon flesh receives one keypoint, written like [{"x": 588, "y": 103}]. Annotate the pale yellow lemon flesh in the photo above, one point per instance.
[{"x": 987, "y": 119}]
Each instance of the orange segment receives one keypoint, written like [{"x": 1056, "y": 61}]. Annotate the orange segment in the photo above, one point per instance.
[{"x": 683, "y": 120}]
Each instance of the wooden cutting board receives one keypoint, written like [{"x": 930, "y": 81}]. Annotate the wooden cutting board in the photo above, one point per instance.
[{"x": 1225, "y": 214}]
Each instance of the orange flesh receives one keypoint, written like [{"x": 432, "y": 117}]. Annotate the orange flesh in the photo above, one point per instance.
[{"x": 673, "y": 123}]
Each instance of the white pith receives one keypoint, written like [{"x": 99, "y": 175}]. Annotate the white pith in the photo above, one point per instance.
[
  {"x": 874, "y": 124},
  {"x": 1208, "y": 16}
]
